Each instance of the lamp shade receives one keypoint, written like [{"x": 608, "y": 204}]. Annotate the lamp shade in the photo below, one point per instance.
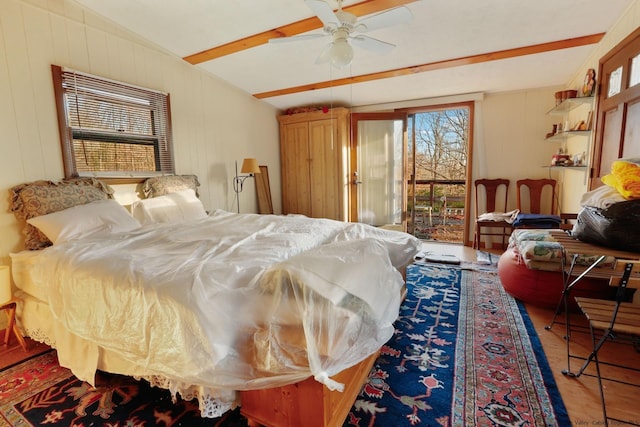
[
  {"x": 250, "y": 166},
  {"x": 5, "y": 284}
]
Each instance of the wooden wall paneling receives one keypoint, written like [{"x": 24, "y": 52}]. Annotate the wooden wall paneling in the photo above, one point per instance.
[
  {"x": 11, "y": 149},
  {"x": 60, "y": 45},
  {"x": 78, "y": 48},
  {"x": 23, "y": 96},
  {"x": 41, "y": 55},
  {"x": 97, "y": 49}
]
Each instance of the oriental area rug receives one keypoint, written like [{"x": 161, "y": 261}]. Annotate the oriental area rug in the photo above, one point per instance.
[{"x": 464, "y": 354}]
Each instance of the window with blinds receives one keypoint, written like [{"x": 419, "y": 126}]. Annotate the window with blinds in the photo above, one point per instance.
[{"x": 111, "y": 129}]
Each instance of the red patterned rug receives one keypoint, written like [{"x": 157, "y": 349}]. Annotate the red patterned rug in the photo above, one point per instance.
[{"x": 40, "y": 392}]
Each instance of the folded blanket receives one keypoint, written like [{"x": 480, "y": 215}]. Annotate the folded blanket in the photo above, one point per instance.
[
  {"x": 541, "y": 251},
  {"x": 625, "y": 177},
  {"x": 537, "y": 221},
  {"x": 500, "y": 216}
]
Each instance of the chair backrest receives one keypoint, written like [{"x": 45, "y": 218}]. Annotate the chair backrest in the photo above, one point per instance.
[
  {"x": 536, "y": 190},
  {"x": 629, "y": 271},
  {"x": 491, "y": 187}
]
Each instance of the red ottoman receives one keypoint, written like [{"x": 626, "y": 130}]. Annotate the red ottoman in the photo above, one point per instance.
[{"x": 543, "y": 288}]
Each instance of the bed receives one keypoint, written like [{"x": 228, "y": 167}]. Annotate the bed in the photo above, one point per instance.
[{"x": 207, "y": 305}]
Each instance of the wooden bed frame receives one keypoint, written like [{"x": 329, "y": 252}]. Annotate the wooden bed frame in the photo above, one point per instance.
[{"x": 307, "y": 403}]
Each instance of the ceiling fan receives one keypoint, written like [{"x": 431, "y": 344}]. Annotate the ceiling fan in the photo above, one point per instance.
[{"x": 343, "y": 28}]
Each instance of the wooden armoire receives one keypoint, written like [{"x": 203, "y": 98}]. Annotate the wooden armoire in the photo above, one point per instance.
[{"x": 314, "y": 160}]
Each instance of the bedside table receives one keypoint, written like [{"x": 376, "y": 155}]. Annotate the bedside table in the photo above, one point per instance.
[{"x": 9, "y": 307}]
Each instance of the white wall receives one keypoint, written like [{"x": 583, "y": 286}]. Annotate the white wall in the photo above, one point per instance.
[{"x": 214, "y": 124}]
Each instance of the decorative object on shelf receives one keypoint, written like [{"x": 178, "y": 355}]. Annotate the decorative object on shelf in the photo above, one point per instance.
[
  {"x": 578, "y": 158},
  {"x": 563, "y": 95},
  {"x": 589, "y": 122},
  {"x": 561, "y": 159},
  {"x": 589, "y": 85},
  {"x": 558, "y": 96},
  {"x": 250, "y": 167},
  {"x": 307, "y": 109},
  {"x": 579, "y": 126}
]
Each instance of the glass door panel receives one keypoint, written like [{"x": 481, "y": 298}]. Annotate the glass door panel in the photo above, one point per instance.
[{"x": 378, "y": 183}]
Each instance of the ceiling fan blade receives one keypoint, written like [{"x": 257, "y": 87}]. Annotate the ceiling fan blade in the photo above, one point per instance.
[
  {"x": 374, "y": 45},
  {"x": 324, "y": 12},
  {"x": 296, "y": 38},
  {"x": 398, "y": 15},
  {"x": 325, "y": 55}
]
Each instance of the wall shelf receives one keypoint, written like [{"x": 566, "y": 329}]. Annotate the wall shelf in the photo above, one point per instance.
[
  {"x": 565, "y": 167},
  {"x": 569, "y": 104},
  {"x": 561, "y": 136}
]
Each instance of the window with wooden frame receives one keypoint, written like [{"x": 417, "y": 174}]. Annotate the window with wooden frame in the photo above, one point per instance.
[{"x": 110, "y": 129}]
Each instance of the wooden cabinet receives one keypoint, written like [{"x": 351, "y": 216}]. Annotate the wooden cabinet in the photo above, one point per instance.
[{"x": 314, "y": 160}]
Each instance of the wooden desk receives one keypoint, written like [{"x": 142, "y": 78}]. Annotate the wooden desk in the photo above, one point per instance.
[{"x": 9, "y": 307}]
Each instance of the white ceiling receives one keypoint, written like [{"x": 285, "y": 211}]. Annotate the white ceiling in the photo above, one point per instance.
[{"x": 440, "y": 30}]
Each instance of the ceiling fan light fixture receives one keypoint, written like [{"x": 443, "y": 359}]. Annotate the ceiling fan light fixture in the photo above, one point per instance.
[{"x": 341, "y": 53}]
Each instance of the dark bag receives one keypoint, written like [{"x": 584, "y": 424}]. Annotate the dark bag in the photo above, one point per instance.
[{"x": 617, "y": 226}]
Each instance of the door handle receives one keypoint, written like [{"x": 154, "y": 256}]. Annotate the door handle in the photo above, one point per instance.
[{"x": 356, "y": 181}]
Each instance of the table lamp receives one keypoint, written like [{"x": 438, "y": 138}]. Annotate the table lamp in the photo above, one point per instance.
[{"x": 5, "y": 284}]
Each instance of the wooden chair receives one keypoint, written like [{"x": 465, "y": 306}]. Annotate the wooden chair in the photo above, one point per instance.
[
  {"x": 493, "y": 203},
  {"x": 9, "y": 308},
  {"x": 614, "y": 319},
  {"x": 536, "y": 190}
]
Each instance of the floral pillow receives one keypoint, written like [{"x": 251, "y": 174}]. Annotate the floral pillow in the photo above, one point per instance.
[
  {"x": 161, "y": 185},
  {"x": 44, "y": 197}
]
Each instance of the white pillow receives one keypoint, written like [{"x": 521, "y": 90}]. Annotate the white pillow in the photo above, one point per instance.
[
  {"x": 84, "y": 220},
  {"x": 182, "y": 205}
]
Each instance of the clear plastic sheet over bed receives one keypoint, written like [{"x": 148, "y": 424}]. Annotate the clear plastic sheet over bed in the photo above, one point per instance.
[{"x": 230, "y": 302}]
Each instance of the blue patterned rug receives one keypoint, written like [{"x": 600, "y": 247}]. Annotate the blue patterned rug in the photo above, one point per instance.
[{"x": 465, "y": 353}]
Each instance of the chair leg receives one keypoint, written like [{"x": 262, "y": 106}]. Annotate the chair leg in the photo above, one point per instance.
[
  {"x": 596, "y": 347},
  {"x": 476, "y": 239}
]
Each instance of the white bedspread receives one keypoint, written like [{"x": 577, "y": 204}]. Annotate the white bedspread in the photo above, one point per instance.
[{"x": 229, "y": 302}]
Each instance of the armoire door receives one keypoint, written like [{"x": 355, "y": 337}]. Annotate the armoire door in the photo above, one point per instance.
[
  {"x": 295, "y": 161},
  {"x": 324, "y": 171}
]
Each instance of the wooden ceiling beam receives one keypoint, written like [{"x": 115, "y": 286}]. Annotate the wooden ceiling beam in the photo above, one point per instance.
[
  {"x": 366, "y": 7},
  {"x": 439, "y": 65}
]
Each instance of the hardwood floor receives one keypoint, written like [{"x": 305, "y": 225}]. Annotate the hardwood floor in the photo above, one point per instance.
[{"x": 580, "y": 395}]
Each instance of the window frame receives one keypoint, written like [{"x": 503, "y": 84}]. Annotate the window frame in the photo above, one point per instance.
[{"x": 161, "y": 138}]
